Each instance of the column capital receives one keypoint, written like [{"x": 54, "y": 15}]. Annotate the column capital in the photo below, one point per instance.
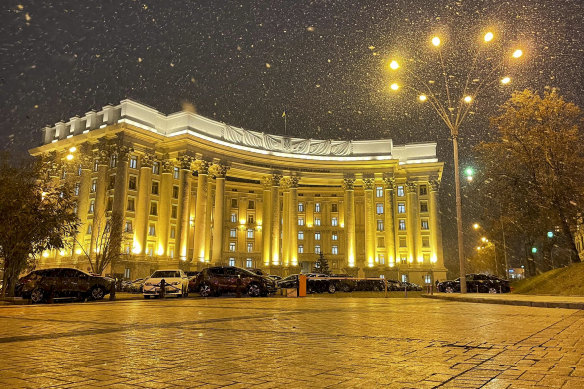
[
  {"x": 201, "y": 166},
  {"x": 285, "y": 184},
  {"x": 148, "y": 159},
  {"x": 266, "y": 182},
  {"x": 219, "y": 170},
  {"x": 167, "y": 165},
  {"x": 389, "y": 182},
  {"x": 102, "y": 155},
  {"x": 368, "y": 183},
  {"x": 293, "y": 181},
  {"x": 349, "y": 183},
  {"x": 185, "y": 162},
  {"x": 434, "y": 185},
  {"x": 276, "y": 178},
  {"x": 411, "y": 186}
]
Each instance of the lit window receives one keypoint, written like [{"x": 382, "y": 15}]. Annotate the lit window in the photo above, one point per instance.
[
  {"x": 128, "y": 226},
  {"x": 113, "y": 160},
  {"x": 249, "y": 263},
  {"x": 89, "y": 228},
  {"x": 250, "y": 233},
  {"x": 172, "y": 232},
  {"x": 300, "y": 207},
  {"x": 156, "y": 168},
  {"x": 379, "y": 208},
  {"x": 233, "y": 233},
  {"x": 300, "y": 249},
  {"x": 379, "y": 225},
  {"x": 150, "y": 251},
  {"x": 91, "y": 206},
  {"x": 133, "y": 162},
  {"x": 171, "y": 252},
  {"x": 317, "y": 207},
  {"x": 76, "y": 190},
  {"x": 428, "y": 279},
  {"x": 334, "y": 221},
  {"x": 335, "y": 250},
  {"x": 250, "y": 219},
  {"x": 403, "y": 259},
  {"x": 400, "y": 190},
  {"x": 250, "y": 247},
  {"x": 379, "y": 191},
  {"x": 381, "y": 259},
  {"x": 401, "y": 208},
  {"x": 300, "y": 235},
  {"x": 152, "y": 230},
  {"x": 232, "y": 246},
  {"x": 79, "y": 170},
  {"x": 300, "y": 221},
  {"x": 95, "y": 165},
  {"x": 317, "y": 249},
  {"x": 335, "y": 236},
  {"x": 404, "y": 278},
  {"x": 231, "y": 261},
  {"x": 425, "y": 224},
  {"x": 93, "y": 185},
  {"x": 176, "y": 173},
  {"x": 233, "y": 217},
  {"x": 317, "y": 236},
  {"x": 402, "y": 225},
  {"x": 317, "y": 221}
]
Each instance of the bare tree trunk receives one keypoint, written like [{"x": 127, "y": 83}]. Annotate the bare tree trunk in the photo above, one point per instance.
[{"x": 574, "y": 257}]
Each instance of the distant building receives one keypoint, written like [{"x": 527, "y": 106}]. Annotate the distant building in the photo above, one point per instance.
[
  {"x": 517, "y": 273},
  {"x": 195, "y": 192}
]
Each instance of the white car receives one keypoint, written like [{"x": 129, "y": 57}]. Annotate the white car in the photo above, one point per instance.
[{"x": 175, "y": 280}]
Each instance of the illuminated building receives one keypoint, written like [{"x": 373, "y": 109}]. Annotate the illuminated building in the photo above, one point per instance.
[{"x": 196, "y": 192}]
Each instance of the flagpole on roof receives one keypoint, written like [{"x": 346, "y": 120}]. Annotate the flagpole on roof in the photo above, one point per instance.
[{"x": 285, "y": 122}]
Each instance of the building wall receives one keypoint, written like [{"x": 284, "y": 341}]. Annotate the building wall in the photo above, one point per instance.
[{"x": 190, "y": 202}]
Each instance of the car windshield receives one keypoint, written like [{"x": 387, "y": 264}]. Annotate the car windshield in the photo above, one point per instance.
[{"x": 166, "y": 274}]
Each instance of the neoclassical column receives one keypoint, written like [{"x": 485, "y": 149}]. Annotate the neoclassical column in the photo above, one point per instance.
[
  {"x": 185, "y": 163},
  {"x": 143, "y": 208},
  {"x": 349, "y": 187},
  {"x": 267, "y": 220},
  {"x": 389, "y": 220},
  {"x": 102, "y": 156},
  {"x": 370, "y": 226},
  {"x": 209, "y": 217},
  {"x": 412, "y": 220},
  {"x": 86, "y": 162},
  {"x": 122, "y": 153},
  {"x": 434, "y": 220},
  {"x": 164, "y": 207},
  {"x": 275, "y": 225},
  {"x": 220, "y": 171},
  {"x": 285, "y": 183},
  {"x": 202, "y": 168},
  {"x": 293, "y": 220}
]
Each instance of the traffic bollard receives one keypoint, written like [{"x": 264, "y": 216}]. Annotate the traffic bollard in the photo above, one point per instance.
[{"x": 162, "y": 290}]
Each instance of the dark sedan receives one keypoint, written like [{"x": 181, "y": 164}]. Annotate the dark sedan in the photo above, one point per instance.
[
  {"x": 44, "y": 285},
  {"x": 231, "y": 279},
  {"x": 476, "y": 283}
]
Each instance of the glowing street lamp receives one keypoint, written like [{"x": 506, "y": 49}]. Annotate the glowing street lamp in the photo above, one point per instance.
[
  {"x": 476, "y": 226},
  {"x": 467, "y": 99},
  {"x": 517, "y": 53},
  {"x": 394, "y": 65},
  {"x": 423, "y": 98},
  {"x": 505, "y": 80},
  {"x": 488, "y": 36},
  {"x": 394, "y": 86},
  {"x": 436, "y": 41},
  {"x": 69, "y": 157}
]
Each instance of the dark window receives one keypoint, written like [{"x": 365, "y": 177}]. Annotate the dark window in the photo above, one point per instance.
[{"x": 175, "y": 192}]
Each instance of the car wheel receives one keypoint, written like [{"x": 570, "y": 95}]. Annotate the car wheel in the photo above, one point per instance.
[
  {"x": 37, "y": 296},
  {"x": 449, "y": 289},
  {"x": 96, "y": 293},
  {"x": 332, "y": 289},
  {"x": 205, "y": 290},
  {"x": 493, "y": 290},
  {"x": 254, "y": 290}
]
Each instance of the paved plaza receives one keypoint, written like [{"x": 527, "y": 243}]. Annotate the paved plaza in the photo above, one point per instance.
[{"x": 313, "y": 342}]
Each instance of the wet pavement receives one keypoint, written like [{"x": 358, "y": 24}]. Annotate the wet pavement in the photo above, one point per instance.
[{"x": 290, "y": 343}]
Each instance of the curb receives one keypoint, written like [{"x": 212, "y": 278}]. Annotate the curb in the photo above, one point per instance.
[{"x": 486, "y": 300}]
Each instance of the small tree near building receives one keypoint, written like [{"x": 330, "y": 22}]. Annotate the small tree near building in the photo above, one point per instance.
[
  {"x": 36, "y": 214},
  {"x": 321, "y": 266}
]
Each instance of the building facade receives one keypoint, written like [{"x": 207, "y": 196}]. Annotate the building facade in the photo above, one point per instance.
[{"x": 194, "y": 192}]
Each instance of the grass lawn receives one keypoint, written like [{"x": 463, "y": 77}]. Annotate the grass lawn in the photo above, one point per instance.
[{"x": 566, "y": 281}]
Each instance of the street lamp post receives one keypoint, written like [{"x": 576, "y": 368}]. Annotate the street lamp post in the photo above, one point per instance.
[{"x": 453, "y": 117}]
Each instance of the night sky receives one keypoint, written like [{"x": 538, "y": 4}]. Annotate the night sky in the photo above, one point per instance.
[{"x": 244, "y": 62}]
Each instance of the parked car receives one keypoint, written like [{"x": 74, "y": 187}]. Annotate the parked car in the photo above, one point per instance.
[
  {"x": 315, "y": 283},
  {"x": 375, "y": 285},
  {"x": 394, "y": 285},
  {"x": 133, "y": 286},
  {"x": 46, "y": 284},
  {"x": 344, "y": 283},
  {"x": 227, "y": 279},
  {"x": 275, "y": 277},
  {"x": 476, "y": 283},
  {"x": 175, "y": 280}
]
